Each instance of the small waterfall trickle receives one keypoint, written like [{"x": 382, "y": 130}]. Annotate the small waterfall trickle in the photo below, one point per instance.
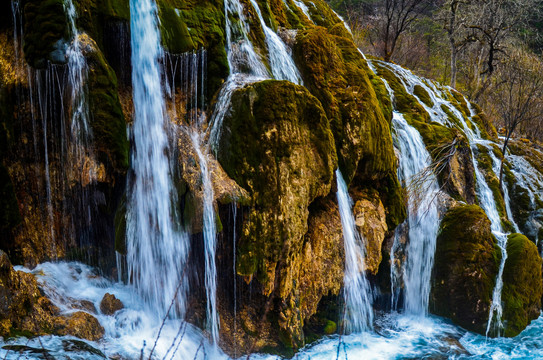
[
  {"x": 358, "y": 297},
  {"x": 210, "y": 241},
  {"x": 279, "y": 56},
  {"x": 156, "y": 248}
]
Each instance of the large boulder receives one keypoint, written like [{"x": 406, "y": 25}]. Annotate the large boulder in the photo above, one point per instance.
[
  {"x": 466, "y": 264},
  {"x": 276, "y": 143},
  {"x": 522, "y": 284},
  {"x": 336, "y": 73}
]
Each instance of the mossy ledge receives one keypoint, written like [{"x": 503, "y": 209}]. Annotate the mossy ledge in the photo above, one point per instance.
[
  {"x": 522, "y": 284},
  {"x": 465, "y": 268}
]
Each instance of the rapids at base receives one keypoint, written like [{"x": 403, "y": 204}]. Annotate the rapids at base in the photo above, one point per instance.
[{"x": 131, "y": 331}]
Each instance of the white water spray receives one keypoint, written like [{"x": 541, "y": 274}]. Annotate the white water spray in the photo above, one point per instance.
[
  {"x": 156, "y": 250},
  {"x": 358, "y": 297}
]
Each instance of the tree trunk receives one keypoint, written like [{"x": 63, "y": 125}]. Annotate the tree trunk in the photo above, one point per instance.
[{"x": 454, "y": 70}]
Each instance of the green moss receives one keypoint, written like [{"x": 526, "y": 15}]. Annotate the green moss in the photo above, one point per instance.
[
  {"x": 485, "y": 125},
  {"x": 324, "y": 16},
  {"x": 485, "y": 164},
  {"x": 450, "y": 116},
  {"x": 45, "y": 30},
  {"x": 465, "y": 267},
  {"x": 288, "y": 162},
  {"x": 460, "y": 103},
  {"x": 404, "y": 102},
  {"x": 176, "y": 38},
  {"x": 383, "y": 96},
  {"x": 108, "y": 123},
  {"x": 522, "y": 284},
  {"x": 423, "y": 96},
  {"x": 330, "y": 328}
]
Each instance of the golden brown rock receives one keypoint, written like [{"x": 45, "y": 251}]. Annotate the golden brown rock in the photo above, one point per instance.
[
  {"x": 82, "y": 325},
  {"x": 110, "y": 304}
]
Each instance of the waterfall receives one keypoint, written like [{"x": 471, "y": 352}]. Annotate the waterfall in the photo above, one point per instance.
[
  {"x": 358, "y": 297},
  {"x": 156, "y": 249},
  {"x": 422, "y": 214},
  {"x": 246, "y": 66},
  {"x": 281, "y": 63},
  {"x": 210, "y": 242}
]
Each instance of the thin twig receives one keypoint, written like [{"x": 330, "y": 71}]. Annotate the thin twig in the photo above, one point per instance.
[
  {"x": 198, "y": 350},
  {"x": 181, "y": 329},
  {"x": 170, "y": 308}
]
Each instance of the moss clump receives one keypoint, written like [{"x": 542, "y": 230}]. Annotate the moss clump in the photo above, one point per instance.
[
  {"x": 108, "y": 123},
  {"x": 175, "y": 34},
  {"x": 488, "y": 131},
  {"x": 485, "y": 164},
  {"x": 423, "y": 96},
  {"x": 404, "y": 102},
  {"x": 382, "y": 95},
  {"x": 522, "y": 284},
  {"x": 289, "y": 163},
  {"x": 194, "y": 25},
  {"x": 45, "y": 30},
  {"x": 330, "y": 328},
  {"x": 323, "y": 15},
  {"x": 465, "y": 267},
  {"x": 336, "y": 73}
]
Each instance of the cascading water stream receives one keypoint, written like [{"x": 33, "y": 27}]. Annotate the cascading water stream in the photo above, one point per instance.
[
  {"x": 422, "y": 215},
  {"x": 358, "y": 297},
  {"x": 280, "y": 59},
  {"x": 485, "y": 195},
  {"x": 156, "y": 249},
  {"x": 210, "y": 241}
]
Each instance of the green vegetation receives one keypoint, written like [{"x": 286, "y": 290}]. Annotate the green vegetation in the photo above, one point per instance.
[
  {"x": 522, "y": 284},
  {"x": 107, "y": 121},
  {"x": 465, "y": 268}
]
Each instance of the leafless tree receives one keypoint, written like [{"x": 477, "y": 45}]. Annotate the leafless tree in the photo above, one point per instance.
[
  {"x": 494, "y": 23},
  {"x": 454, "y": 15},
  {"x": 517, "y": 94},
  {"x": 393, "y": 18}
]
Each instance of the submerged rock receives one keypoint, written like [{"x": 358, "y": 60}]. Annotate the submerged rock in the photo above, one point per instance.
[
  {"x": 522, "y": 284},
  {"x": 465, "y": 268}
]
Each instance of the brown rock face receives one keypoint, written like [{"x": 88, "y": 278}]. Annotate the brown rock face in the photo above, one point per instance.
[
  {"x": 110, "y": 304},
  {"x": 370, "y": 220},
  {"x": 22, "y": 307},
  {"x": 81, "y": 325}
]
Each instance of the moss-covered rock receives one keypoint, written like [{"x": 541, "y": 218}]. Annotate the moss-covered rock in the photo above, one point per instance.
[
  {"x": 465, "y": 267},
  {"x": 195, "y": 25},
  {"x": 336, "y": 73},
  {"x": 486, "y": 166},
  {"x": 45, "y": 31},
  {"x": 485, "y": 125},
  {"x": 107, "y": 119},
  {"x": 277, "y": 144},
  {"x": 423, "y": 95},
  {"x": 522, "y": 284}
]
